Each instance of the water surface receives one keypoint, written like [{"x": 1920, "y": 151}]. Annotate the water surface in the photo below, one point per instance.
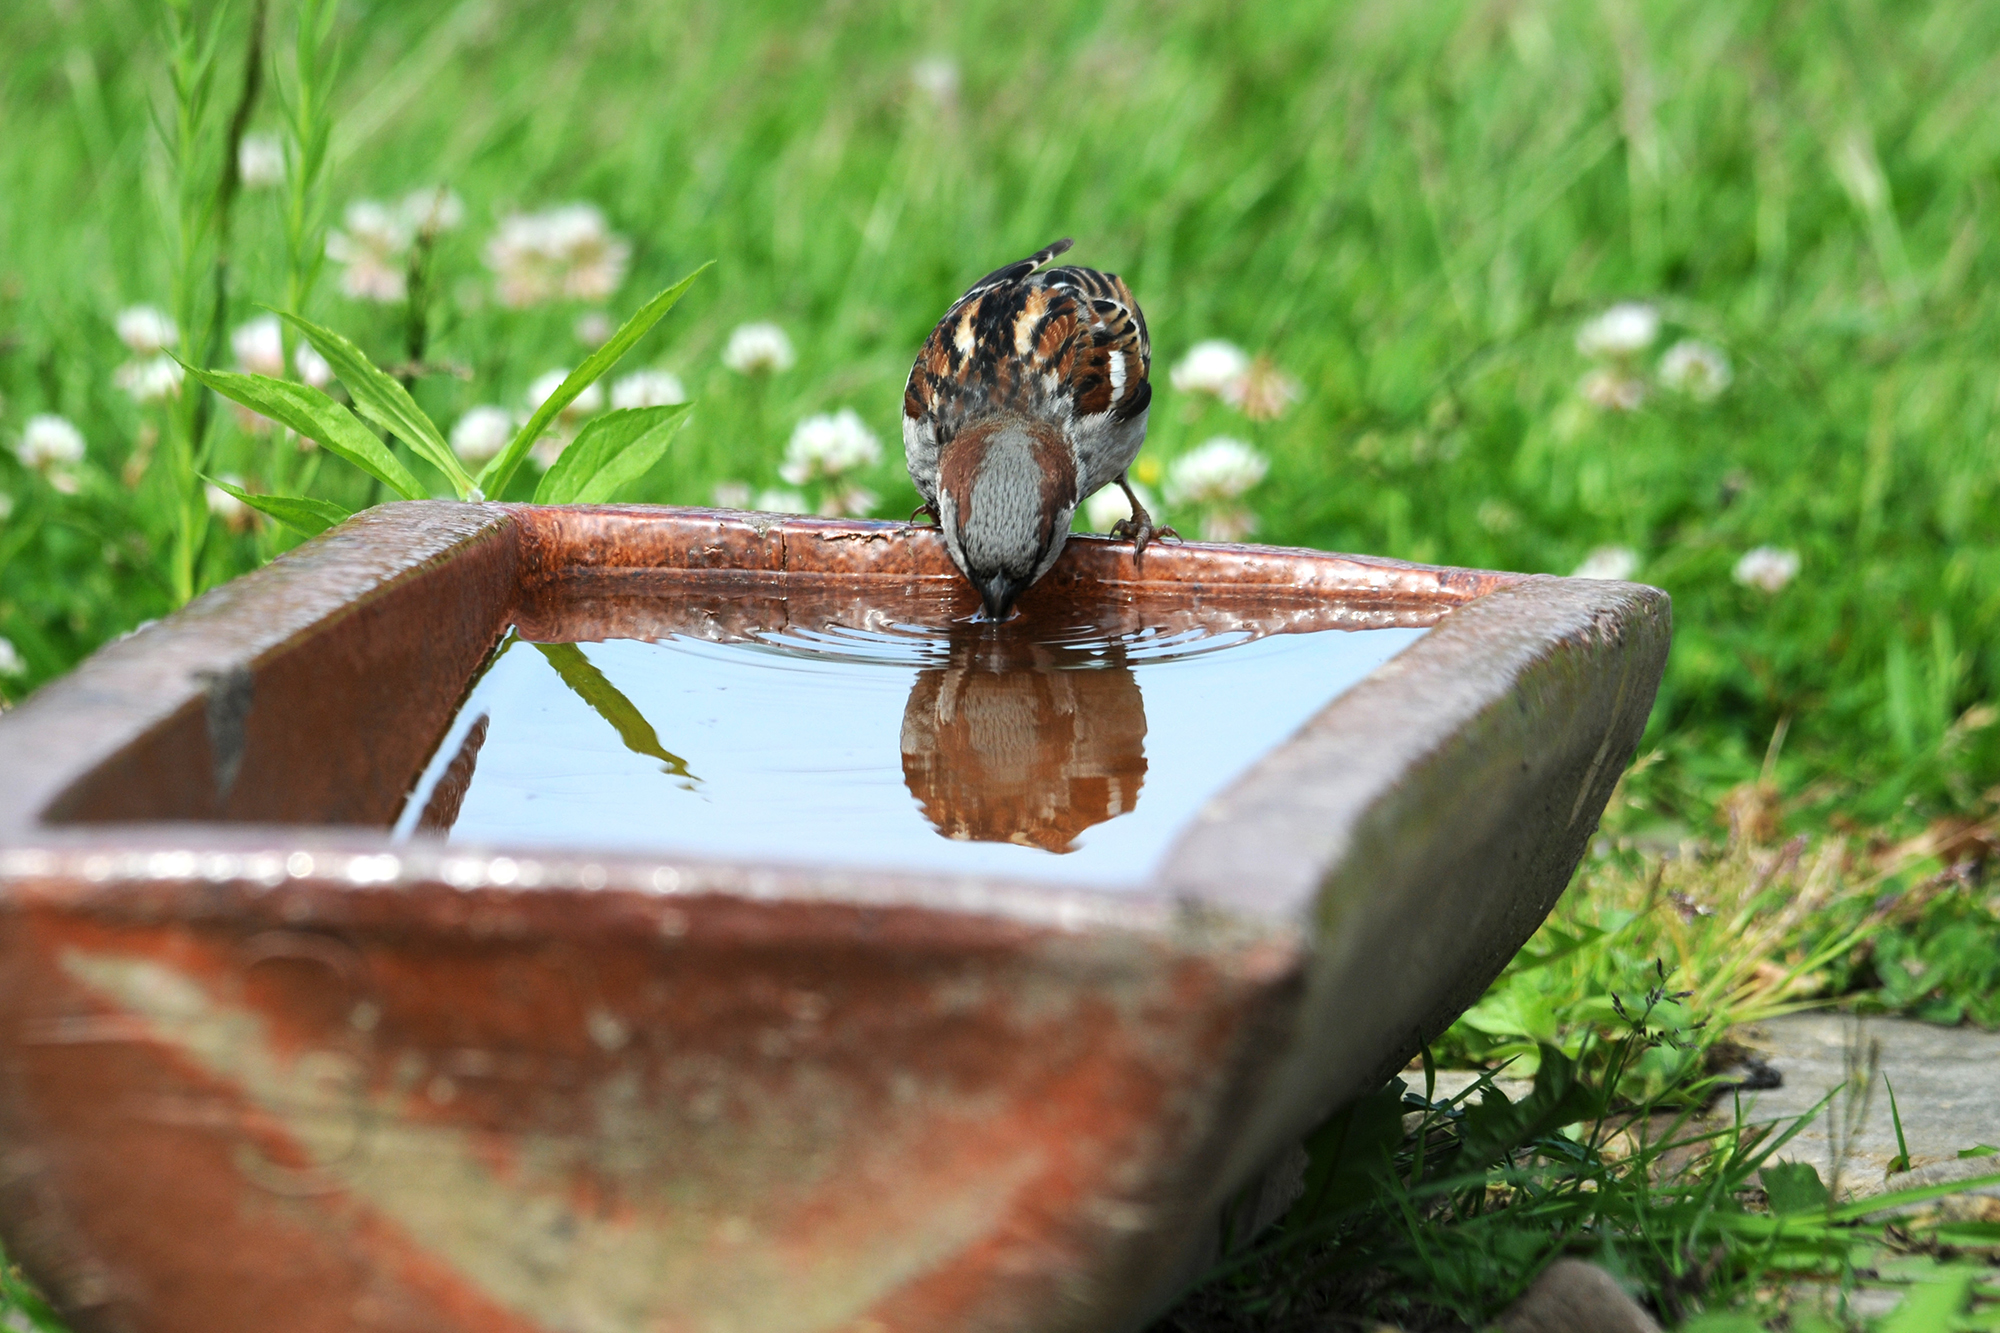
[{"x": 1054, "y": 752}]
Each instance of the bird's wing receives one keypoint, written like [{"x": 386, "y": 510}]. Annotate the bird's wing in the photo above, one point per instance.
[{"x": 1068, "y": 344}]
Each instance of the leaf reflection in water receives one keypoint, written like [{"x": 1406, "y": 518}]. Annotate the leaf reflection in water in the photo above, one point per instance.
[{"x": 609, "y": 703}]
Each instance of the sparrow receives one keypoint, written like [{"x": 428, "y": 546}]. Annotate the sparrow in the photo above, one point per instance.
[{"x": 1029, "y": 396}]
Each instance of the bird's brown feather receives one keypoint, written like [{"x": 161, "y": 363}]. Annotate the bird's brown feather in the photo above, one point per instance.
[{"x": 1066, "y": 344}]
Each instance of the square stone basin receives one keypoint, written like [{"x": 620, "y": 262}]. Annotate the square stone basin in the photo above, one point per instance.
[{"x": 314, "y": 1016}]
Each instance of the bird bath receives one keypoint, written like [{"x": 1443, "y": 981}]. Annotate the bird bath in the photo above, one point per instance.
[{"x": 492, "y": 917}]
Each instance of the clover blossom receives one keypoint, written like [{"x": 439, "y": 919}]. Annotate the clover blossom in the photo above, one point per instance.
[
  {"x": 758, "y": 349},
  {"x": 1213, "y": 366},
  {"x": 482, "y": 433},
  {"x": 1625, "y": 330},
  {"x": 147, "y": 330},
  {"x": 260, "y": 161},
  {"x": 1768, "y": 568},
  {"x": 824, "y": 447},
  {"x": 1615, "y": 563},
  {"x": 648, "y": 388},
  {"x": 1698, "y": 369},
  {"x": 563, "y": 253}
]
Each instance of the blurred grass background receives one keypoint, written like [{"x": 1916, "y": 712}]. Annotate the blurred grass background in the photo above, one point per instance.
[{"x": 1412, "y": 210}]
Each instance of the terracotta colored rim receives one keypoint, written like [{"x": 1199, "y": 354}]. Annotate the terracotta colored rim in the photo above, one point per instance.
[{"x": 1321, "y": 917}]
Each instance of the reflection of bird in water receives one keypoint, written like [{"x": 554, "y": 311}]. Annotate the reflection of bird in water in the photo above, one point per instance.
[
  {"x": 1030, "y": 395},
  {"x": 1024, "y": 742}
]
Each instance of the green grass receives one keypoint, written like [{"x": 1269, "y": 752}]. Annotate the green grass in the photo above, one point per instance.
[{"x": 1410, "y": 209}]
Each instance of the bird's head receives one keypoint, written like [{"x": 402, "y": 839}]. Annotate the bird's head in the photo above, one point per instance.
[{"x": 1006, "y": 491}]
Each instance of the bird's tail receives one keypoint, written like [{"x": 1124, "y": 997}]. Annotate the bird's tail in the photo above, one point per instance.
[
  {"x": 1017, "y": 270},
  {"x": 1048, "y": 252}
]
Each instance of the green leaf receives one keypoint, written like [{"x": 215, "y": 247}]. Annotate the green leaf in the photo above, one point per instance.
[
  {"x": 317, "y": 417},
  {"x": 1879, "y": 1203},
  {"x": 608, "y": 702},
  {"x": 1794, "y": 1187},
  {"x": 1933, "y": 1304},
  {"x": 300, "y": 512},
  {"x": 614, "y": 450},
  {"x": 1983, "y": 1150},
  {"x": 1494, "y": 1127},
  {"x": 496, "y": 474},
  {"x": 380, "y": 398},
  {"x": 1348, "y": 1156}
]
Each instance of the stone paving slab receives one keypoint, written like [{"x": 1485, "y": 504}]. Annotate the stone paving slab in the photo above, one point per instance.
[{"x": 1947, "y": 1084}]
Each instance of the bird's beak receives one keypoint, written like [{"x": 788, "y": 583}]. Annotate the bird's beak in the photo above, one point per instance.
[{"x": 998, "y": 593}]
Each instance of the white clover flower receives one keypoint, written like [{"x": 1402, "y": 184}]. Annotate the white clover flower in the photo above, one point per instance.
[
  {"x": 260, "y": 161},
  {"x": 936, "y": 77},
  {"x": 1210, "y": 367},
  {"x": 1227, "y": 523},
  {"x": 260, "y": 346},
  {"x": 1612, "y": 390},
  {"x": 1220, "y": 470},
  {"x": 371, "y": 251},
  {"x": 758, "y": 348},
  {"x": 10, "y": 660},
  {"x": 825, "y": 446},
  {"x": 567, "y": 252},
  {"x": 593, "y": 328},
  {"x": 1698, "y": 369},
  {"x": 1767, "y": 567},
  {"x": 235, "y": 515},
  {"x": 1108, "y": 508},
  {"x": 586, "y": 403},
  {"x": 432, "y": 210},
  {"x": 648, "y": 388},
  {"x": 731, "y": 495},
  {"x": 482, "y": 433},
  {"x": 49, "y": 443},
  {"x": 1626, "y": 329},
  {"x": 781, "y": 502},
  {"x": 147, "y": 330},
  {"x": 1616, "y": 563},
  {"x": 153, "y": 380},
  {"x": 848, "y": 501},
  {"x": 312, "y": 367},
  {"x": 1262, "y": 392}
]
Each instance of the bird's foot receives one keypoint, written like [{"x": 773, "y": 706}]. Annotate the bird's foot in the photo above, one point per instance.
[
  {"x": 924, "y": 510},
  {"x": 1139, "y": 530}
]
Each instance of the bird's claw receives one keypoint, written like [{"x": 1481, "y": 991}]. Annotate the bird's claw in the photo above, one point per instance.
[
  {"x": 1141, "y": 533},
  {"x": 924, "y": 511}
]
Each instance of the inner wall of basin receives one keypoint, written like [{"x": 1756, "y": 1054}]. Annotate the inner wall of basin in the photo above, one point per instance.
[{"x": 1071, "y": 747}]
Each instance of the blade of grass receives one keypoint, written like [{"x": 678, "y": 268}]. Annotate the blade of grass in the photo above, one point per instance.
[
  {"x": 494, "y": 478},
  {"x": 1901, "y": 1161},
  {"x": 299, "y": 512},
  {"x": 379, "y": 398},
  {"x": 613, "y": 451},
  {"x": 608, "y": 702},
  {"x": 317, "y": 417}
]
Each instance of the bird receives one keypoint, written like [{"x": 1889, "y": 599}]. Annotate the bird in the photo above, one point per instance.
[{"x": 1029, "y": 396}]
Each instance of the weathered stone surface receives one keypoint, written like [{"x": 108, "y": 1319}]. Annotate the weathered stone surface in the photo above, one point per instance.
[
  {"x": 1572, "y": 1296},
  {"x": 1946, "y": 1081}
]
